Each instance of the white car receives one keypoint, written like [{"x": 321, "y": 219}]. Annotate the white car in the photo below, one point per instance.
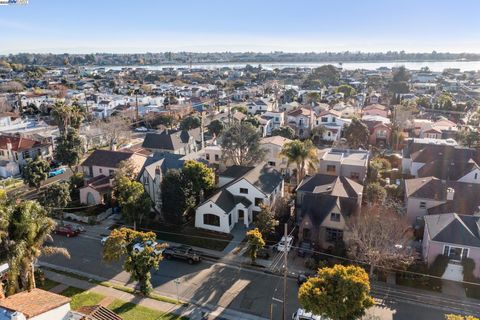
[
  {"x": 301, "y": 314},
  {"x": 104, "y": 240},
  {"x": 141, "y": 129},
  {"x": 139, "y": 247},
  {"x": 281, "y": 245}
]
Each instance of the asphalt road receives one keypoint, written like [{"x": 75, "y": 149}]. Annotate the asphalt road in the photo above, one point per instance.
[{"x": 241, "y": 289}]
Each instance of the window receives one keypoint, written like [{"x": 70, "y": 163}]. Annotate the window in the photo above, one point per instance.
[
  {"x": 334, "y": 119},
  {"x": 111, "y": 172},
  {"x": 271, "y": 163},
  {"x": 26, "y": 154},
  {"x": 354, "y": 175},
  {"x": 423, "y": 205},
  {"x": 229, "y": 219},
  {"x": 207, "y": 156},
  {"x": 455, "y": 253},
  {"x": 244, "y": 190},
  {"x": 2, "y": 153},
  {"x": 217, "y": 157},
  {"x": 333, "y": 235},
  {"x": 258, "y": 201},
  {"x": 100, "y": 170},
  {"x": 324, "y": 119},
  {"x": 335, "y": 216},
  {"x": 329, "y": 134},
  {"x": 476, "y": 174},
  {"x": 331, "y": 168},
  {"x": 211, "y": 220}
]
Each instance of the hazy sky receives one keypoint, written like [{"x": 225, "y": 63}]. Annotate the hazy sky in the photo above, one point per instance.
[{"x": 84, "y": 26}]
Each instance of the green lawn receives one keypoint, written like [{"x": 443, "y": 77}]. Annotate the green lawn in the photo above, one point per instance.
[
  {"x": 81, "y": 297},
  {"x": 131, "y": 311},
  {"x": 47, "y": 284}
]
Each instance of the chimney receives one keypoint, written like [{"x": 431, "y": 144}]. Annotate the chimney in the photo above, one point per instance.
[{"x": 450, "y": 194}]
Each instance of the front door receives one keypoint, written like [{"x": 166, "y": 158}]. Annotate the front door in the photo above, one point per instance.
[{"x": 241, "y": 214}]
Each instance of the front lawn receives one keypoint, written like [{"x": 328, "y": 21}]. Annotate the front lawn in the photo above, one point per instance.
[
  {"x": 131, "y": 311},
  {"x": 47, "y": 284},
  {"x": 81, "y": 297}
]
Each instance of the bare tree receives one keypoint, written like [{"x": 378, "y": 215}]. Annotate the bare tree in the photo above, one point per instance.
[
  {"x": 380, "y": 237},
  {"x": 115, "y": 130}
]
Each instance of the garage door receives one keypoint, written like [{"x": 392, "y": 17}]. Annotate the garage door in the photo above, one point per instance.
[{"x": 454, "y": 272}]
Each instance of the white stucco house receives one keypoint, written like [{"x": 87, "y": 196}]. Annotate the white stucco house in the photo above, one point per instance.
[
  {"x": 333, "y": 123},
  {"x": 242, "y": 191}
]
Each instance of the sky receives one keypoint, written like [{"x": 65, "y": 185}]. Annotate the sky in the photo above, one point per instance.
[{"x": 137, "y": 26}]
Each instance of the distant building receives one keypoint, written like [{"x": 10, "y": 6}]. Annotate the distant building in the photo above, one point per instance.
[{"x": 348, "y": 163}]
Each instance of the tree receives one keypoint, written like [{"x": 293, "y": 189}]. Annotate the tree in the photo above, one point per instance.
[
  {"x": 216, "y": 127},
  {"x": 56, "y": 197},
  {"x": 139, "y": 264},
  {"x": 347, "y": 90},
  {"x": 202, "y": 178},
  {"x": 375, "y": 193},
  {"x": 66, "y": 116},
  {"x": 177, "y": 196},
  {"x": 35, "y": 172},
  {"x": 376, "y": 166},
  {"x": 285, "y": 132},
  {"x": 445, "y": 101},
  {"x": 303, "y": 154},
  {"x": 357, "y": 134},
  {"x": 338, "y": 293},
  {"x": 255, "y": 242},
  {"x": 241, "y": 144},
  {"x": 380, "y": 237},
  {"x": 69, "y": 149},
  {"x": 265, "y": 221},
  {"x": 190, "y": 123},
  {"x": 327, "y": 74},
  {"x": 133, "y": 200},
  {"x": 115, "y": 130},
  {"x": 459, "y": 317},
  {"x": 313, "y": 97},
  {"x": 28, "y": 229},
  {"x": 401, "y": 74}
]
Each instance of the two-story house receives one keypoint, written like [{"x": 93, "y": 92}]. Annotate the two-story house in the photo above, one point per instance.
[
  {"x": 348, "y": 163},
  {"x": 273, "y": 146},
  {"x": 301, "y": 120},
  {"x": 413, "y": 145},
  {"x": 323, "y": 204},
  {"x": 19, "y": 150},
  {"x": 375, "y": 110},
  {"x": 242, "y": 191},
  {"x": 332, "y": 123},
  {"x": 177, "y": 142}
]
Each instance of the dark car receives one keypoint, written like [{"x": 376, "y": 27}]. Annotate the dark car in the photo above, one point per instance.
[
  {"x": 302, "y": 278},
  {"x": 66, "y": 231},
  {"x": 304, "y": 249}
]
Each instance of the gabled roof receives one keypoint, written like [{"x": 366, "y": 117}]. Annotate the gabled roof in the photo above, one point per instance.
[
  {"x": 276, "y": 140},
  {"x": 454, "y": 228},
  {"x": 332, "y": 185},
  {"x": 300, "y": 112},
  {"x": 318, "y": 206},
  {"x": 19, "y": 143},
  {"x": 450, "y": 153},
  {"x": 165, "y": 162},
  {"x": 106, "y": 158},
  {"x": 447, "y": 170},
  {"x": 167, "y": 140},
  {"x": 33, "y": 303},
  {"x": 264, "y": 177}
]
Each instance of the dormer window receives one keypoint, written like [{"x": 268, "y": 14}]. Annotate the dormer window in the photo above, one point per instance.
[{"x": 335, "y": 216}]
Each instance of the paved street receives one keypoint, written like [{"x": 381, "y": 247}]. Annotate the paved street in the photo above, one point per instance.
[{"x": 242, "y": 289}]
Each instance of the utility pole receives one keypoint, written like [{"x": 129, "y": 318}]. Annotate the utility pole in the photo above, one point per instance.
[{"x": 285, "y": 255}]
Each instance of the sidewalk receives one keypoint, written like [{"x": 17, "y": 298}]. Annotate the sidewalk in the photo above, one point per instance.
[{"x": 193, "y": 310}]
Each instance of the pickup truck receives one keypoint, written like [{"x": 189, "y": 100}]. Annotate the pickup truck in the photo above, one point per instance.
[{"x": 184, "y": 253}]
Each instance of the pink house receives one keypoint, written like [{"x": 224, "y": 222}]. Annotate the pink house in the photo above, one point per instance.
[
  {"x": 375, "y": 110},
  {"x": 456, "y": 236}
]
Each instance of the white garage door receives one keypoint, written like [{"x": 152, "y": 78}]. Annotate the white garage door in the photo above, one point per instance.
[{"x": 454, "y": 272}]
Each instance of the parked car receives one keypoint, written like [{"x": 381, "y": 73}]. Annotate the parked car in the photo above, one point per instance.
[
  {"x": 140, "y": 246},
  {"x": 141, "y": 129},
  {"x": 184, "y": 253},
  {"x": 304, "y": 248},
  {"x": 303, "y": 277},
  {"x": 103, "y": 240},
  {"x": 66, "y": 231},
  {"x": 56, "y": 172},
  {"x": 301, "y": 314},
  {"x": 77, "y": 227},
  {"x": 281, "y": 245}
]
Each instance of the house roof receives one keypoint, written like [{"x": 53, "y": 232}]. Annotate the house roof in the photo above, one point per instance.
[
  {"x": 300, "y": 112},
  {"x": 106, "y": 158},
  {"x": 375, "y": 106},
  {"x": 33, "y": 303},
  {"x": 332, "y": 185},
  {"x": 318, "y": 206},
  {"x": 235, "y": 171},
  {"x": 465, "y": 199},
  {"x": 98, "y": 312},
  {"x": 332, "y": 112},
  {"x": 226, "y": 201},
  {"x": 447, "y": 170},
  {"x": 454, "y": 228},
  {"x": 19, "y": 143},
  {"x": 165, "y": 162},
  {"x": 167, "y": 140},
  {"x": 276, "y": 140},
  {"x": 446, "y": 152},
  {"x": 264, "y": 177}
]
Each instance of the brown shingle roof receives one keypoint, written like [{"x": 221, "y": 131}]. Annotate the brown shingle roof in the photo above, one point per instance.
[
  {"x": 98, "y": 312},
  {"x": 106, "y": 158},
  {"x": 33, "y": 303}
]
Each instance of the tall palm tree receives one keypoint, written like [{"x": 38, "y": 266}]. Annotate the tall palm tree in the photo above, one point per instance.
[
  {"x": 28, "y": 230},
  {"x": 303, "y": 154}
]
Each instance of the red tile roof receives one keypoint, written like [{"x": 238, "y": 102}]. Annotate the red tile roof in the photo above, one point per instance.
[
  {"x": 33, "y": 303},
  {"x": 19, "y": 143}
]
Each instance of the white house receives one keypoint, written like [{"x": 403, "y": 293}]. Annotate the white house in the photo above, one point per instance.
[
  {"x": 243, "y": 190},
  {"x": 333, "y": 124}
]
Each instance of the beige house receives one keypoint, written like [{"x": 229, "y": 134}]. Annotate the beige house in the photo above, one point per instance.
[
  {"x": 273, "y": 146},
  {"x": 348, "y": 163}
]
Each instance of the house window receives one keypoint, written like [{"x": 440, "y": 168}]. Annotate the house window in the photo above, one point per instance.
[
  {"x": 211, "y": 220},
  {"x": 145, "y": 181},
  {"x": 271, "y": 163},
  {"x": 258, "y": 201},
  {"x": 2, "y": 153},
  {"x": 331, "y": 168},
  {"x": 229, "y": 219},
  {"x": 324, "y": 119},
  {"x": 335, "y": 216},
  {"x": 26, "y": 154},
  {"x": 329, "y": 134},
  {"x": 334, "y": 120},
  {"x": 111, "y": 172},
  {"x": 244, "y": 190},
  {"x": 354, "y": 175},
  {"x": 207, "y": 156},
  {"x": 217, "y": 157},
  {"x": 423, "y": 205},
  {"x": 455, "y": 253},
  {"x": 333, "y": 235},
  {"x": 476, "y": 174}
]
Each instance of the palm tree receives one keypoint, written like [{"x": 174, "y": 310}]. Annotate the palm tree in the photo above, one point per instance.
[
  {"x": 28, "y": 230},
  {"x": 303, "y": 154}
]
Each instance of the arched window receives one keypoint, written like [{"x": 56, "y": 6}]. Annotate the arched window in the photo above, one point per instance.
[{"x": 211, "y": 220}]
